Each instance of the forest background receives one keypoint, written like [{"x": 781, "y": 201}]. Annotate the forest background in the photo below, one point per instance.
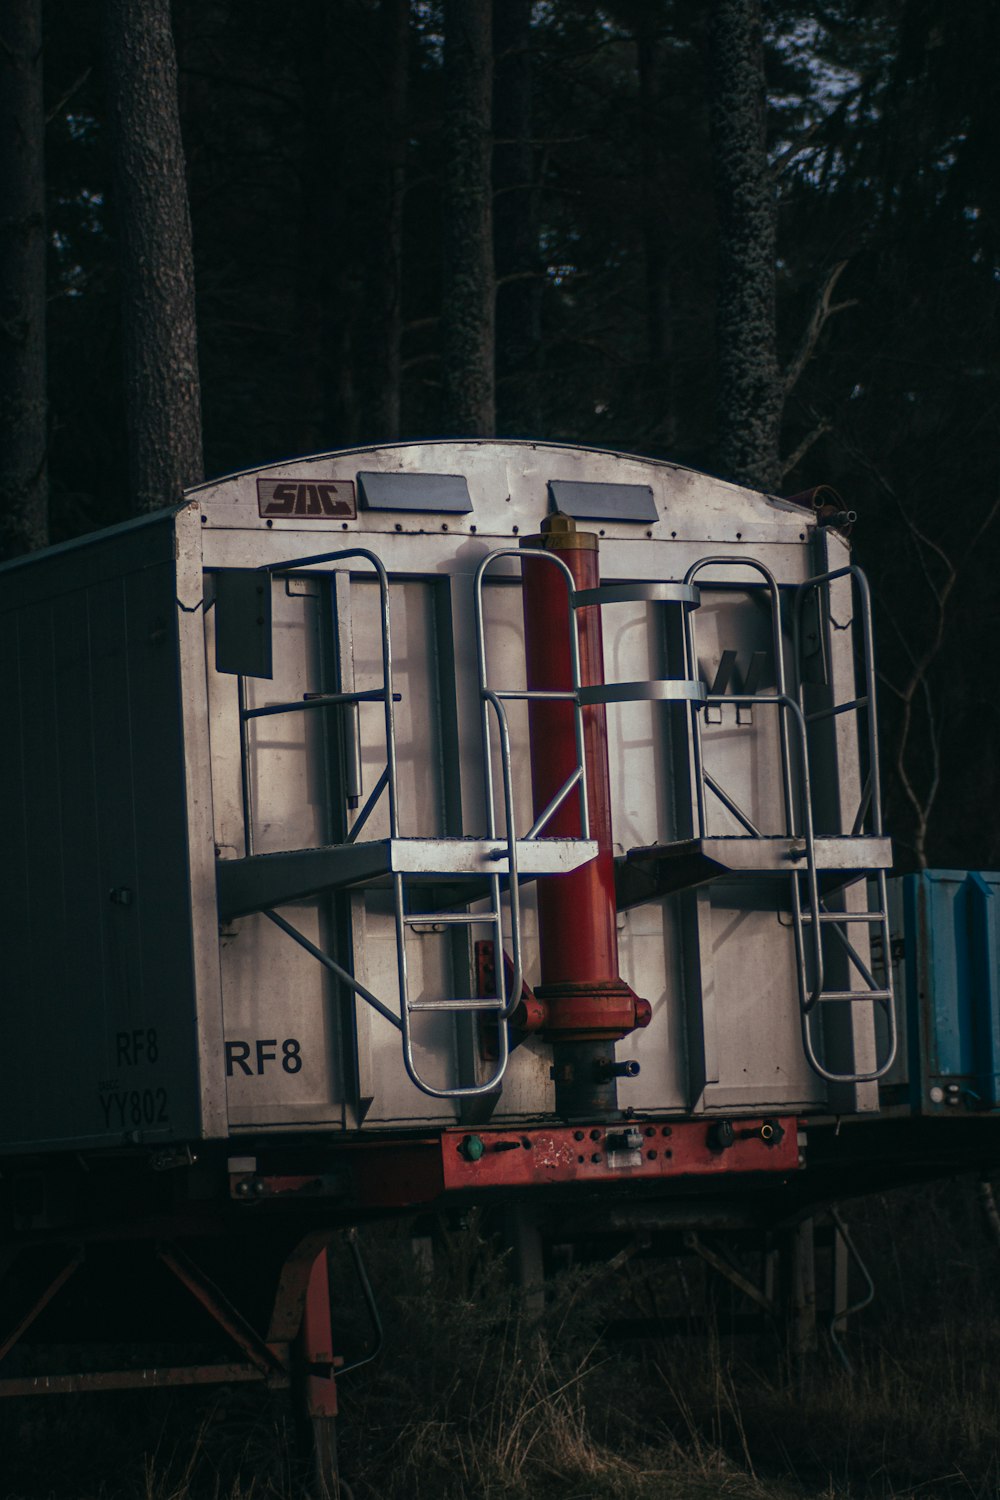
[{"x": 758, "y": 241}]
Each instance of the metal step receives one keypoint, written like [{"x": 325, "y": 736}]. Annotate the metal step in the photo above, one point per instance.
[
  {"x": 265, "y": 880},
  {"x": 659, "y": 869}
]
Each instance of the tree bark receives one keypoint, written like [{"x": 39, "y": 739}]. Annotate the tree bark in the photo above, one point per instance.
[
  {"x": 333, "y": 204},
  {"x": 519, "y": 280},
  {"x": 386, "y": 327},
  {"x": 23, "y": 407},
  {"x": 468, "y": 292},
  {"x": 163, "y": 394},
  {"x": 749, "y": 386},
  {"x": 655, "y": 231}
]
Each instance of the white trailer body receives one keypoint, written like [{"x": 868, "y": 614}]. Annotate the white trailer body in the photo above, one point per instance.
[{"x": 156, "y": 816}]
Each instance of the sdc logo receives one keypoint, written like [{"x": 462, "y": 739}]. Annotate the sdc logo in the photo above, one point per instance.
[{"x": 306, "y": 499}]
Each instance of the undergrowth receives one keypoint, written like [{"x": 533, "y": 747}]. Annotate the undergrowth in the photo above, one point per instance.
[
  {"x": 493, "y": 1393},
  {"x": 508, "y": 1401}
]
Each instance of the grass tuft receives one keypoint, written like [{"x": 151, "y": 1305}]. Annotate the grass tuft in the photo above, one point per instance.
[{"x": 485, "y": 1392}]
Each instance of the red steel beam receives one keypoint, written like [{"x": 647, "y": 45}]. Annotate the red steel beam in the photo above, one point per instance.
[
  {"x": 401, "y": 1174},
  {"x": 58, "y": 1281},
  {"x": 265, "y": 1357},
  {"x": 567, "y": 1154},
  {"x": 148, "y": 1379}
]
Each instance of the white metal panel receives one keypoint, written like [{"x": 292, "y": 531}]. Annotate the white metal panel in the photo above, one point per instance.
[
  {"x": 420, "y": 782},
  {"x": 282, "y": 1058},
  {"x": 730, "y": 1018},
  {"x": 754, "y": 1012}
]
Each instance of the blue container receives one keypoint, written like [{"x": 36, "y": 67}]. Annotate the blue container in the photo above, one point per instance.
[{"x": 950, "y": 995}]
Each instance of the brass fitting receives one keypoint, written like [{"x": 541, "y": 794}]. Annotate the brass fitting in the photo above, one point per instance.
[{"x": 558, "y": 533}]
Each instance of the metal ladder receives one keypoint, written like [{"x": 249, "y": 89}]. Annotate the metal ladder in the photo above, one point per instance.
[
  {"x": 508, "y": 848},
  {"x": 811, "y": 916}
]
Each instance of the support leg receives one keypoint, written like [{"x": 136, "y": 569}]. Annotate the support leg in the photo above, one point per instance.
[
  {"x": 527, "y": 1263},
  {"x": 799, "y": 1294},
  {"x": 841, "y": 1285},
  {"x": 319, "y": 1389}
]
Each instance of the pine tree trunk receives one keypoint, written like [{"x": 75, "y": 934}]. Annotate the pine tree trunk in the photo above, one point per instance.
[
  {"x": 654, "y": 211},
  {"x": 519, "y": 281},
  {"x": 386, "y": 326},
  {"x": 319, "y": 347},
  {"x": 23, "y": 438},
  {"x": 330, "y": 276},
  {"x": 749, "y": 387},
  {"x": 468, "y": 292},
  {"x": 163, "y": 395}
]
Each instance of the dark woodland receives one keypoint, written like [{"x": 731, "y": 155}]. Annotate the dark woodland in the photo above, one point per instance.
[
  {"x": 760, "y": 240},
  {"x": 766, "y": 251}
]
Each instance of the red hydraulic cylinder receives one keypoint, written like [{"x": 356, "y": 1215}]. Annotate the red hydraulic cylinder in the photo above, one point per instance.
[{"x": 581, "y": 990}]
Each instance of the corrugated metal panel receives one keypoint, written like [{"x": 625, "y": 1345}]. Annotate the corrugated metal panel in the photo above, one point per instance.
[
  {"x": 952, "y": 988},
  {"x": 95, "y": 907}
]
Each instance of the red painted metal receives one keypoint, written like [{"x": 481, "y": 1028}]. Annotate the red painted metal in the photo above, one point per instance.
[
  {"x": 532, "y": 1158},
  {"x": 529, "y": 1014},
  {"x": 412, "y": 1173},
  {"x": 248, "y": 1185},
  {"x": 142, "y": 1379},
  {"x": 581, "y": 989},
  {"x": 59, "y": 1280},
  {"x": 265, "y": 1356},
  {"x": 266, "y": 1361},
  {"x": 293, "y": 1284},
  {"x": 316, "y": 1340},
  {"x": 404, "y": 1175}
]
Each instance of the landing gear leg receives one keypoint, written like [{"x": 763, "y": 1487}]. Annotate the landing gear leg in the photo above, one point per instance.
[
  {"x": 318, "y": 1386},
  {"x": 799, "y": 1295}
]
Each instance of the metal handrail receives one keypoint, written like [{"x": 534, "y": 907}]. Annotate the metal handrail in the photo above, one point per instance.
[
  {"x": 792, "y": 712},
  {"x": 870, "y": 803},
  {"x": 530, "y": 694},
  {"x": 691, "y": 670},
  {"x": 789, "y": 709},
  {"x": 873, "y": 790},
  {"x": 809, "y": 994},
  {"x": 386, "y": 694},
  {"x": 387, "y": 782},
  {"x": 492, "y": 702}
]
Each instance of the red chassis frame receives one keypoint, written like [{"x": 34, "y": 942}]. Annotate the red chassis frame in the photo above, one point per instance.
[
  {"x": 381, "y": 1174},
  {"x": 392, "y": 1173},
  {"x": 389, "y": 1173}
]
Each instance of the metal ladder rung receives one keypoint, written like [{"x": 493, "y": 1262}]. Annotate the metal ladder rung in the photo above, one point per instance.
[
  {"x": 809, "y": 925},
  {"x": 851, "y": 706},
  {"x": 534, "y": 695},
  {"x": 846, "y": 916},
  {"x": 318, "y": 700},
  {"x": 493, "y": 1004},
  {"x": 855, "y": 996},
  {"x": 453, "y": 918}
]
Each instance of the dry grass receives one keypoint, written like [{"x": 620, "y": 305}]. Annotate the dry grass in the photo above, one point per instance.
[
  {"x": 511, "y": 1405},
  {"x": 479, "y": 1395}
]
